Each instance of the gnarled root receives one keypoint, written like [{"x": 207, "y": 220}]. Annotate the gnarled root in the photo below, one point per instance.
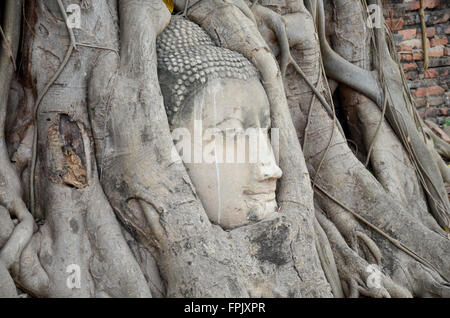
[
  {"x": 79, "y": 251},
  {"x": 397, "y": 114},
  {"x": 8, "y": 289},
  {"x": 388, "y": 159},
  {"x": 231, "y": 28},
  {"x": 442, "y": 145},
  {"x": 10, "y": 187},
  {"x": 276, "y": 24},
  {"x": 327, "y": 261},
  {"x": 343, "y": 176},
  {"x": 155, "y": 199},
  {"x": 358, "y": 276}
]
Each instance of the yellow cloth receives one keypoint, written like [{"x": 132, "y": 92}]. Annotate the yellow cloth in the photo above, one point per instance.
[{"x": 169, "y": 4}]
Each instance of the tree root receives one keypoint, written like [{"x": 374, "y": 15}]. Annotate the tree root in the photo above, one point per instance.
[
  {"x": 397, "y": 115},
  {"x": 442, "y": 146},
  {"x": 371, "y": 246},
  {"x": 186, "y": 8},
  {"x": 243, "y": 36},
  {"x": 81, "y": 236},
  {"x": 295, "y": 253},
  {"x": 346, "y": 178},
  {"x": 426, "y": 60},
  {"x": 327, "y": 260},
  {"x": 358, "y": 276},
  {"x": 8, "y": 46},
  {"x": 41, "y": 95},
  {"x": 11, "y": 192},
  {"x": 434, "y": 143},
  {"x": 276, "y": 24},
  {"x": 8, "y": 289},
  {"x": 395, "y": 242},
  {"x": 156, "y": 200}
]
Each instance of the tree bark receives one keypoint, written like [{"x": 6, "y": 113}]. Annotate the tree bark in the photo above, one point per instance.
[{"x": 92, "y": 203}]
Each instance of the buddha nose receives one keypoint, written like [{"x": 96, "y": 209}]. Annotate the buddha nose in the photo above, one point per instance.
[{"x": 268, "y": 169}]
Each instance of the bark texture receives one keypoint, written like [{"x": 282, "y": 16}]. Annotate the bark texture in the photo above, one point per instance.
[{"x": 92, "y": 203}]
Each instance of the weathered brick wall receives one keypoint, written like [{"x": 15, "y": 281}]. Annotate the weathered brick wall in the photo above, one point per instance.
[{"x": 431, "y": 89}]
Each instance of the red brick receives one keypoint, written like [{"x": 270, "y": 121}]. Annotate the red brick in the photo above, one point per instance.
[
  {"x": 408, "y": 34},
  {"x": 431, "y": 112},
  {"x": 443, "y": 19},
  {"x": 447, "y": 30},
  {"x": 395, "y": 24},
  {"x": 431, "y": 73},
  {"x": 430, "y": 4},
  {"x": 414, "y": 5},
  {"x": 430, "y": 32},
  {"x": 439, "y": 41},
  {"x": 409, "y": 66},
  {"x": 425, "y": 91},
  {"x": 442, "y": 71},
  {"x": 420, "y": 101},
  {"x": 436, "y": 51},
  {"x": 408, "y": 45},
  {"x": 411, "y": 75},
  {"x": 447, "y": 51},
  {"x": 420, "y": 92},
  {"x": 406, "y": 57},
  {"x": 417, "y": 55},
  {"x": 435, "y": 90}
]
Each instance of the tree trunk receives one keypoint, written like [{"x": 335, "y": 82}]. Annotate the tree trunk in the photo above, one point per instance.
[{"x": 96, "y": 202}]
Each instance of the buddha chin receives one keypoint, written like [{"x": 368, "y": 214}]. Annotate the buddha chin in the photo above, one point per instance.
[{"x": 260, "y": 208}]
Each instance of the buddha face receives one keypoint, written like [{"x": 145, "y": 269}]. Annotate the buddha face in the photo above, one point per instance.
[{"x": 231, "y": 161}]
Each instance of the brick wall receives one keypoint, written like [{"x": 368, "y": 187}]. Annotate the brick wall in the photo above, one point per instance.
[{"x": 431, "y": 89}]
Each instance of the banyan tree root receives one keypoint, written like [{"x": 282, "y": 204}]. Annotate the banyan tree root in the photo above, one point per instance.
[
  {"x": 359, "y": 277},
  {"x": 230, "y": 26},
  {"x": 11, "y": 191},
  {"x": 438, "y": 148},
  {"x": 327, "y": 261},
  {"x": 290, "y": 255},
  {"x": 347, "y": 179},
  {"x": 155, "y": 200},
  {"x": 389, "y": 160},
  {"x": 397, "y": 113},
  {"x": 381, "y": 161},
  {"x": 79, "y": 251},
  {"x": 440, "y": 139}
]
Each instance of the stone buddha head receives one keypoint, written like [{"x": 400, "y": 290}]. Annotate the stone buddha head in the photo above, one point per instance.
[{"x": 219, "y": 115}]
